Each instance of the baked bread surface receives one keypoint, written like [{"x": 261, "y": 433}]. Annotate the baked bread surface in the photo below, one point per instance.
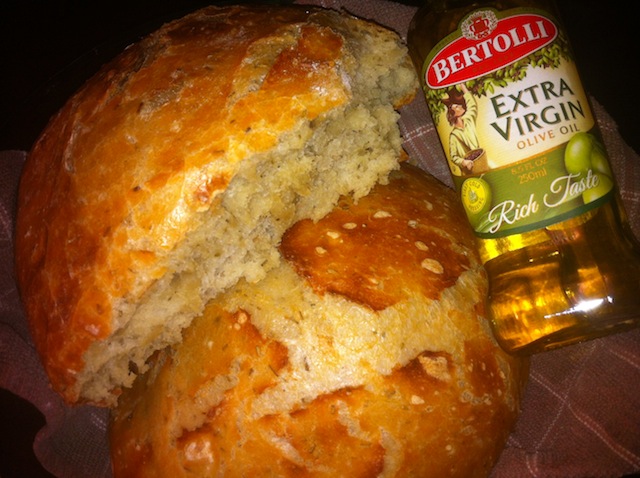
[
  {"x": 175, "y": 170},
  {"x": 365, "y": 353}
]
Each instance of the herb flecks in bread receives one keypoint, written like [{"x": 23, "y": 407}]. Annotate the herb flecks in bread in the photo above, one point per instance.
[
  {"x": 305, "y": 373},
  {"x": 174, "y": 172}
]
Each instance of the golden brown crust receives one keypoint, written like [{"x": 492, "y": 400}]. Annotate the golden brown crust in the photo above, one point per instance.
[
  {"x": 341, "y": 253},
  {"x": 309, "y": 376},
  {"x": 79, "y": 211},
  {"x": 124, "y": 172}
]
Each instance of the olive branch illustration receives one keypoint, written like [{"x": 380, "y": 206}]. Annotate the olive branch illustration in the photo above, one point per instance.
[{"x": 549, "y": 56}]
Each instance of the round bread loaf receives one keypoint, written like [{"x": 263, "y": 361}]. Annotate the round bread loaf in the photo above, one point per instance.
[
  {"x": 365, "y": 353},
  {"x": 175, "y": 170}
]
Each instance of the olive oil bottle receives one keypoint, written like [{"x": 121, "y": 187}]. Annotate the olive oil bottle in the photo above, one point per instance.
[{"x": 531, "y": 170}]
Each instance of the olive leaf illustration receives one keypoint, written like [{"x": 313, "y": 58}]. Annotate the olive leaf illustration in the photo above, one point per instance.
[{"x": 549, "y": 56}]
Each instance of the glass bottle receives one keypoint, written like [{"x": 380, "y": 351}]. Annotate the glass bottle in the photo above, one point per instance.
[{"x": 531, "y": 170}]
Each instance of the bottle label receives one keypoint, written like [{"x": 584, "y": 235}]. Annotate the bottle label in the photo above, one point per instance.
[{"x": 515, "y": 122}]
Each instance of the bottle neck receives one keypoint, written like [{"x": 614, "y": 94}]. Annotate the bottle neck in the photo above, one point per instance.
[
  {"x": 447, "y": 5},
  {"x": 442, "y": 5}
]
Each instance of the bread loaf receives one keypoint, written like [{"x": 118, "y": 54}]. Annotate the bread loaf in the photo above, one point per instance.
[
  {"x": 365, "y": 353},
  {"x": 174, "y": 171}
]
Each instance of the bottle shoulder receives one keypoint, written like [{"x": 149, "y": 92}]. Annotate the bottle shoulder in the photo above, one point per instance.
[{"x": 438, "y": 18}]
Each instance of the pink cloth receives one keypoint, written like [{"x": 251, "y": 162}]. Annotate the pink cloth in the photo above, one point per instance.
[{"x": 581, "y": 411}]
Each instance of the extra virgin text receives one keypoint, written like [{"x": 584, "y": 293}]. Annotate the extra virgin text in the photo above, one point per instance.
[{"x": 524, "y": 112}]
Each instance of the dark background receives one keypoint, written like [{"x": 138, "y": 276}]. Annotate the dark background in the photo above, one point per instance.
[{"x": 48, "y": 48}]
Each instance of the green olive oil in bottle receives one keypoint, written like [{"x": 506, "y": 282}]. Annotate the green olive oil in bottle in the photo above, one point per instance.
[{"x": 529, "y": 164}]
